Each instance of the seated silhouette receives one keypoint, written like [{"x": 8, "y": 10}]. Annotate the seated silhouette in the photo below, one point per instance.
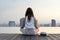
[{"x": 29, "y": 24}]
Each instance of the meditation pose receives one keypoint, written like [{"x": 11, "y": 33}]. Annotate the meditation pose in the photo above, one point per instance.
[{"x": 30, "y": 22}]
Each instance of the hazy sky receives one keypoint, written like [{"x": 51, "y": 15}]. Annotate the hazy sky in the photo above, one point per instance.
[{"x": 44, "y": 10}]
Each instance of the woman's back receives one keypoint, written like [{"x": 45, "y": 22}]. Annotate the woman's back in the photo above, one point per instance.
[
  {"x": 30, "y": 21},
  {"x": 29, "y": 24}
]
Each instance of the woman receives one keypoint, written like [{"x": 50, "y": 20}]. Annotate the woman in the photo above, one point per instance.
[{"x": 30, "y": 23}]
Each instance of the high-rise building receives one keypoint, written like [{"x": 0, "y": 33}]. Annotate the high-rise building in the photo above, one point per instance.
[
  {"x": 11, "y": 23},
  {"x": 53, "y": 22},
  {"x": 21, "y": 21}
]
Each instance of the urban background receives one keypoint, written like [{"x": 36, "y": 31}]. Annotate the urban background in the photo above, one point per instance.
[{"x": 13, "y": 24}]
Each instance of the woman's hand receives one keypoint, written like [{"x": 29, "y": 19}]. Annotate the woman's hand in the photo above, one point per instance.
[{"x": 37, "y": 29}]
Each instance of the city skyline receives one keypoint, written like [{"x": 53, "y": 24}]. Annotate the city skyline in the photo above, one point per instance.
[
  {"x": 51, "y": 24},
  {"x": 44, "y": 10}
]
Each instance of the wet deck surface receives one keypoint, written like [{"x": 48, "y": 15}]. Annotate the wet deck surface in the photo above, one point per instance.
[{"x": 22, "y": 37}]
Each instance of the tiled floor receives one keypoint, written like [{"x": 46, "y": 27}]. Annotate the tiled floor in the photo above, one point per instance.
[{"x": 22, "y": 37}]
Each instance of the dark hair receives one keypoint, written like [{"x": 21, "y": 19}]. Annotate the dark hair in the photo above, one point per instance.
[{"x": 29, "y": 13}]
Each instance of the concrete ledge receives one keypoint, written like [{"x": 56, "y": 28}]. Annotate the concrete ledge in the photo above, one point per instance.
[{"x": 16, "y": 30}]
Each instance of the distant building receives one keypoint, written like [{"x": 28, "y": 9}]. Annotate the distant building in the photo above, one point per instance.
[
  {"x": 11, "y": 23},
  {"x": 21, "y": 21},
  {"x": 47, "y": 25},
  {"x": 41, "y": 25},
  {"x": 59, "y": 25},
  {"x": 53, "y": 22},
  {"x": 44, "y": 25}
]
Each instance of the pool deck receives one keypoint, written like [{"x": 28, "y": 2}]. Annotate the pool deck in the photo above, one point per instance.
[{"x": 34, "y": 37}]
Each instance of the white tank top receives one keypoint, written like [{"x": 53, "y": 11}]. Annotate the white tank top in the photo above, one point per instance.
[{"x": 29, "y": 24}]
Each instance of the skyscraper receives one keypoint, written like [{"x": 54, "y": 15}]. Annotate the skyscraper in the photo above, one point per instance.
[
  {"x": 21, "y": 21},
  {"x": 11, "y": 23},
  {"x": 53, "y": 22}
]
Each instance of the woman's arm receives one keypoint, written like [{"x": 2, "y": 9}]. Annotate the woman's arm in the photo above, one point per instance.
[
  {"x": 35, "y": 23},
  {"x": 23, "y": 24}
]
